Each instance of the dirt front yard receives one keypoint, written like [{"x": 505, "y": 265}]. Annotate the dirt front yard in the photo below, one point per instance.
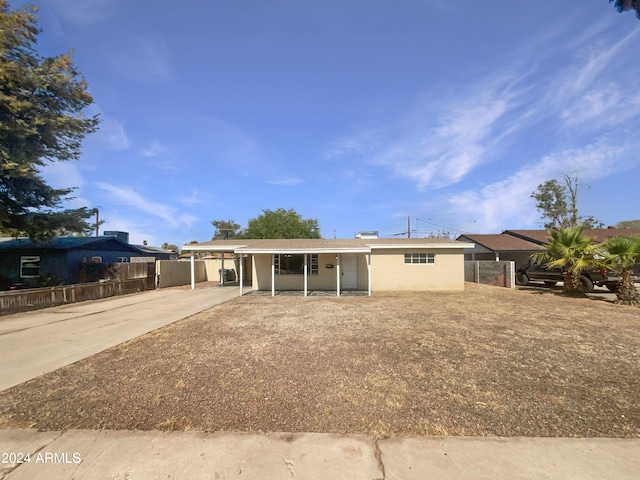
[{"x": 489, "y": 361}]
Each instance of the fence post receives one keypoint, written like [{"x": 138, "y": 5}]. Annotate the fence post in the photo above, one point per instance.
[
  {"x": 476, "y": 271},
  {"x": 193, "y": 272}
]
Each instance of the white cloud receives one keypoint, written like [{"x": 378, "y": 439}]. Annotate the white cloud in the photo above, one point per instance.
[
  {"x": 154, "y": 149},
  {"x": 438, "y": 143},
  {"x": 62, "y": 174},
  {"x": 286, "y": 181},
  {"x": 85, "y": 12},
  {"x": 507, "y": 203},
  {"x": 125, "y": 195},
  {"x": 113, "y": 134},
  {"x": 142, "y": 58},
  {"x": 441, "y": 141}
]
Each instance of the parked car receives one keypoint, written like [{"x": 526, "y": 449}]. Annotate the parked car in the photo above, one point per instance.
[{"x": 550, "y": 276}]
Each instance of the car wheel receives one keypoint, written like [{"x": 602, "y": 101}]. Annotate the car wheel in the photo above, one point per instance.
[
  {"x": 550, "y": 283},
  {"x": 587, "y": 284},
  {"x": 522, "y": 279}
]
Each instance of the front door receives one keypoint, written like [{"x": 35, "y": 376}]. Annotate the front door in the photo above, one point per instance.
[{"x": 349, "y": 270}]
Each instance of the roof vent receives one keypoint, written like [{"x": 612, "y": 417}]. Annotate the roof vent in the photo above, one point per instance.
[
  {"x": 123, "y": 236},
  {"x": 368, "y": 234}
]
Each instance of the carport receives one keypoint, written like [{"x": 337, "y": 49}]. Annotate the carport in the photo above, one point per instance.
[{"x": 271, "y": 254}]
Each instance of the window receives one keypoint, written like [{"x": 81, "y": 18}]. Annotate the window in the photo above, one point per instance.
[
  {"x": 123, "y": 259},
  {"x": 96, "y": 259},
  {"x": 419, "y": 258},
  {"x": 29, "y": 267},
  {"x": 290, "y": 264}
]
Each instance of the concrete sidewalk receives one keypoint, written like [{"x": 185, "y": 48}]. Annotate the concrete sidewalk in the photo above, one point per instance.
[
  {"x": 89, "y": 455},
  {"x": 41, "y": 341}
]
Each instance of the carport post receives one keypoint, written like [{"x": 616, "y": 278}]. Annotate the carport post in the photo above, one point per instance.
[
  {"x": 337, "y": 275},
  {"x": 241, "y": 272},
  {"x": 193, "y": 271},
  {"x": 273, "y": 275},
  {"x": 305, "y": 274},
  {"x": 369, "y": 272},
  {"x": 222, "y": 268}
]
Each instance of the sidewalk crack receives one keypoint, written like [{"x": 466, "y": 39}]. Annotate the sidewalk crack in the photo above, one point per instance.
[{"x": 378, "y": 454}]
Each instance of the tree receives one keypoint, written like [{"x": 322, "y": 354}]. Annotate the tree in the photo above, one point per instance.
[
  {"x": 622, "y": 254},
  {"x": 225, "y": 229},
  {"x": 628, "y": 224},
  {"x": 572, "y": 251},
  {"x": 559, "y": 204},
  {"x": 624, "y": 5},
  {"x": 41, "y": 121},
  {"x": 170, "y": 246},
  {"x": 445, "y": 234},
  {"x": 281, "y": 223}
]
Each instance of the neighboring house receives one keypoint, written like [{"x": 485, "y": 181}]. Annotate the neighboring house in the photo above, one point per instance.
[
  {"x": 153, "y": 253},
  {"x": 379, "y": 264},
  {"x": 501, "y": 246},
  {"x": 25, "y": 262},
  {"x": 541, "y": 237},
  {"x": 519, "y": 245}
]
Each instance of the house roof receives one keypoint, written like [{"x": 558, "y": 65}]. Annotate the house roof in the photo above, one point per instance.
[
  {"x": 106, "y": 243},
  {"x": 541, "y": 237},
  {"x": 501, "y": 242},
  {"x": 154, "y": 250},
  {"x": 321, "y": 245},
  {"x": 64, "y": 243}
]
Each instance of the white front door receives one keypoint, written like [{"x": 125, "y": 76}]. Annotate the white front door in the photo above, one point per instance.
[{"x": 349, "y": 269}]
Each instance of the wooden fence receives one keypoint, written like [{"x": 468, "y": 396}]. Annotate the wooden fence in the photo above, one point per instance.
[{"x": 126, "y": 278}]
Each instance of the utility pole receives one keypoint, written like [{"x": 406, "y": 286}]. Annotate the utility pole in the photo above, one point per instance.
[
  {"x": 408, "y": 226},
  {"x": 97, "y": 224}
]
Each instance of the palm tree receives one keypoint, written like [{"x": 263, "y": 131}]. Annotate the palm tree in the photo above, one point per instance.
[
  {"x": 572, "y": 251},
  {"x": 622, "y": 254}
]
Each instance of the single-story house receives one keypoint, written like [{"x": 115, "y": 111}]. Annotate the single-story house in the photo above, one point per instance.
[
  {"x": 364, "y": 264},
  {"x": 541, "y": 237},
  {"x": 25, "y": 262},
  {"x": 501, "y": 246},
  {"x": 519, "y": 245}
]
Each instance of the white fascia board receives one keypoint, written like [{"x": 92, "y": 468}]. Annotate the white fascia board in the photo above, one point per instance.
[
  {"x": 256, "y": 251},
  {"x": 212, "y": 248},
  {"x": 426, "y": 246}
]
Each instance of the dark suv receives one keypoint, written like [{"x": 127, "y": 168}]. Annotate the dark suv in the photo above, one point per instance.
[{"x": 551, "y": 276}]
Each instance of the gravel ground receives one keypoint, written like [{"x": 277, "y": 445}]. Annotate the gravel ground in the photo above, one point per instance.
[{"x": 486, "y": 361}]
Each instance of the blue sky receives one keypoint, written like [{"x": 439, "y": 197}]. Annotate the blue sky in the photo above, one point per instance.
[{"x": 357, "y": 113}]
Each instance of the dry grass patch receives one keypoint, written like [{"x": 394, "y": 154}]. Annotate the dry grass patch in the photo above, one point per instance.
[{"x": 488, "y": 361}]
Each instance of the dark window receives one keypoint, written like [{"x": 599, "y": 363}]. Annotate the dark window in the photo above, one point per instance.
[
  {"x": 29, "y": 266},
  {"x": 293, "y": 264}
]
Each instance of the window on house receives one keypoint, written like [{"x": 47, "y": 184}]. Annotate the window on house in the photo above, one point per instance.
[
  {"x": 29, "y": 267},
  {"x": 123, "y": 259},
  {"x": 419, "y": 258},
  {"x": 291, "y": 264}
]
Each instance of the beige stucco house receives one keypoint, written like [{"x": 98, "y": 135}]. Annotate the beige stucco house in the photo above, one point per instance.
[{"x": 359, "y": 264}]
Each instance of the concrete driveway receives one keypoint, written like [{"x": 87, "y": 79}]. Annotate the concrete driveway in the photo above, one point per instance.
[{"x": 33, "y": 343}]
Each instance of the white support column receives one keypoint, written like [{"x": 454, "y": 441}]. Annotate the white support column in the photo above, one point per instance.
[
  {"x": 241, "y": 268},
  {"x": 193, "y": 271},
  {"x": 305, "y": 274},
  {"x": 222, "y": 268},
  {"x": 369, "y": 273},
  {"x": 273, "y": 275},
  {"x": 338, "y": 275}
]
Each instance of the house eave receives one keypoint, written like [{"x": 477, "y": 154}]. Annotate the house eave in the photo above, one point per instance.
[{"x": 405, "y": 246}]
